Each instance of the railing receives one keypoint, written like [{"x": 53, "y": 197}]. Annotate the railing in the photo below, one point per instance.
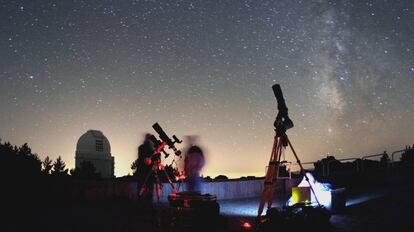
[
  {"x": 328, "y": 169},
  {"x": 396, "y": 152},
  {"x": 326, "y": 166},
  {"x": 287, "y": 164},
  {"x": 303, "y": 163},
  {"x": 369, "y": 156}
]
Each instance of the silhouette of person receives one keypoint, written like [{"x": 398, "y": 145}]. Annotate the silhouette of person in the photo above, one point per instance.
[
  {"x": 193, "y": 163},
  {"x": 385, "y": 160},
  {"x": 145, "y": 176}
]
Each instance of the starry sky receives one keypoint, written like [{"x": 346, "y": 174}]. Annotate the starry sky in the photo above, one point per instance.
[{"x": 206, "y": 68}]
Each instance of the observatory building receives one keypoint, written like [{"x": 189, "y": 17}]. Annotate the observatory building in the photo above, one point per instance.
[{"x": 94, "y": 147}]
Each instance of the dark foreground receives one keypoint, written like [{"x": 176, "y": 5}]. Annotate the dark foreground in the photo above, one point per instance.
[{"x": 389, "y": 210}]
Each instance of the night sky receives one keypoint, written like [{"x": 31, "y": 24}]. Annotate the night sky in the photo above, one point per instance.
[{"x": 206, "y": 68}]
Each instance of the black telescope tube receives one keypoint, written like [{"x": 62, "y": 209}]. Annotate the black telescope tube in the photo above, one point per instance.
[
  {"x": 281, "y": 104},
  {"x": 164, "y": 137}
]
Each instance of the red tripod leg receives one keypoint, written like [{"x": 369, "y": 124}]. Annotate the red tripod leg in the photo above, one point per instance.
[
  {"x": 170, "y": 182},
  {"x": 158, "y": 191},
  {"x": 142, "y": 190},
  {"x": 275, "y": 176},
  {"x": 268, "y": 183},
  {"x": 144, "y": 185}
]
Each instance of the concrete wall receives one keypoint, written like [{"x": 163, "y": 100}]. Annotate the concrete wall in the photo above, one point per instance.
[
  {"x": 232, "y": 190},
  {"x": 223, "y": 190},
  {"x": 110, "y": 189}
]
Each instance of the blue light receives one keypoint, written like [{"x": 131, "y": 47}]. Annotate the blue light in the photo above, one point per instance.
[{"x": 322, "y": 191}]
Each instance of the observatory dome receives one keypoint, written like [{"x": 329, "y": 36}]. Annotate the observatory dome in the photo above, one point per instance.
[
  {"x": 93, "y": 142},
  {"x": 95, "y": 148}
]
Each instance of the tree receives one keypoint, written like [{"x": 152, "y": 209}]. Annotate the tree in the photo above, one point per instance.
[
  {"x": 8, "y": 159},
  {"x": 20, "y": 170},
  {"x": 221, "y": 177},
  {"x": 86, "y": 171},
  {"x": 59, "y": 168},
  {"x": 25, "y": 162},
  {"x": 408, "y": 155},
  {"x": 24, "y": 150},
  {"x": 47, "y": 165},
  {"x": 134, "y": 167}
]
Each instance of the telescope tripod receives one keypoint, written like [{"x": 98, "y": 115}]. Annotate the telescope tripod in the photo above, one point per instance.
[
  {"x": 272, "y": 173},
  {"x": 157, "y": 166}
]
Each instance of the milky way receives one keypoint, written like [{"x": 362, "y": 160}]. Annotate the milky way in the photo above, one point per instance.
[{"x": 206, "y": 68}]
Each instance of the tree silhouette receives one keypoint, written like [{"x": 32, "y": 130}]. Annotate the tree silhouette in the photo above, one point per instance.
[
  {"x": 47, "y": 165},
  {"x": 86, "y": 171},
  {"x": 20, "y": 170},
  {"x": 30, "y": 163},
  {"x": 18, "y": 162},
  {"x": 134, "y": 167},
  {"x": 408, "y": 155},
  {"x": 24, "y": 150},
  {"x": 221, "y": 177},
  {"x": 59, "y": 168},
  {"x": 8, "y": 159}
]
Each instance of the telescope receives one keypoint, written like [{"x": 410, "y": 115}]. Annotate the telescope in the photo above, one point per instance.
[
  {"x": 159, "y": 146},
  {"x": 157, "y": 166},
  {"x": 165, "y": 139},
  {"x": 282, "y": 122}
]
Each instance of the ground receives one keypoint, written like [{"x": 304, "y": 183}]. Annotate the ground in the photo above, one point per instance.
[{"x": 384, "y": 210}]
